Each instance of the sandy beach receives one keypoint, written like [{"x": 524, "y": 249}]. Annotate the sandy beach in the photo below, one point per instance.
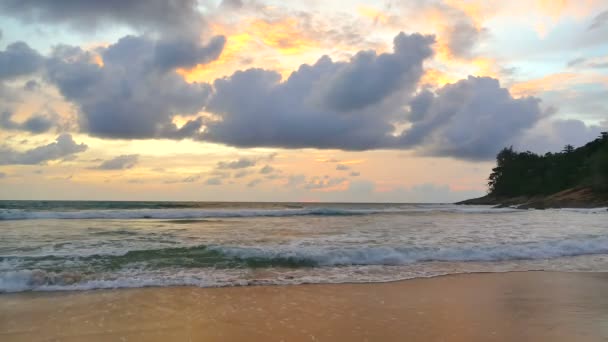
[{"x": 527, "y": 306}]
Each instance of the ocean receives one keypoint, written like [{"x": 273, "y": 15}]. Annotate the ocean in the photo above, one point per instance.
[{"x": 84, "y": 245}]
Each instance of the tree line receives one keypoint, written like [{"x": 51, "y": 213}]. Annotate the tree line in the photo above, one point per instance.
[{"x": 530, "y": 174}]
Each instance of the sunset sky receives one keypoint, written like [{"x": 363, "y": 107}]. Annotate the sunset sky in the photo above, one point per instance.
[{"x": 392, "y": 101}]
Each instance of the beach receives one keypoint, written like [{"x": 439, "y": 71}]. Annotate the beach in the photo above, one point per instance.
[{"x": 516, "y": 306}]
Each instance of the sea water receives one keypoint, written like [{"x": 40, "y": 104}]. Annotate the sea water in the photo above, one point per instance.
[{"x": 61, "y": 245}]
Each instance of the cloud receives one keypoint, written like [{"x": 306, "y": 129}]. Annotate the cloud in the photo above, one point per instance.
[
  {"x": 576, "y": 61},
  {"x": 355, "y": 174},
  {"x": 241, "y": 163},
  {"x": 33, "y": 124},
  {"x": 129, "y": 90},
  {"x": 244, "y": 162},
  {"x": 186, "y": 53},
  {"x": 470, "y": 119},
  {"x": 18, "y": 59},
  {"x": 551, "y": 135},
  {"x": 273, "y": 176},
  {"x": 311, "y": 109},
  {"x": 231, "y": 4},
  {"x": 342, "y": 167},
  {"x": 242, "y": 174},
  {"x": 296, "y": 180},
  {"x": 599, "y": 21},
  {"x": 189, "y": 179},
  {"x": 122, "y": 162},
  {"x": 344, "y": 105},
  {"x": 64, "y": 146},
  {"x": 267, "y": 170},
  {"x": 457, "y": 23},
  {"x": 254, "y": 183},
  {"x": 462, "y": 37},
  {"x": 133, "y": 95},
  {"x": 320, "y": 183},
  {"x": 214, "y": 181},
  {"x": 589, "y": 63},
  {"x": 174, "y": 17},
  {"x": 31, "y": 85},
  {"x": 369, "y": 78},
  {"x": 2, "y": 175}
]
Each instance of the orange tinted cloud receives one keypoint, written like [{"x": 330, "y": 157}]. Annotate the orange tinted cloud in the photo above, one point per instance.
[
  {"x": 284, "y": 35},
  {"x": 559, "y": 81},
  {"x": 435, "y": 77},
  {"x": 255, "y": 41},
  {"x": 374, "y": 14},
  {"x": 98, "y": 60},
  {"x": 476, "y": 11}
]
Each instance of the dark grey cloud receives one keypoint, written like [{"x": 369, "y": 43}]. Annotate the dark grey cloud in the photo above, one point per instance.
[
  {"x": 600, "y": 20},
  {"x": 369, "y": 78},
  {"x": 134, "y": 95},
  {"x": 31, "y": 85},
  {"x": 471, "y": 119},
  {"x": 174, "y": 16},
  {"x": 342, "y": 105},
  {"x": 122, "y": 162},
  {"x": 64, "y": 146},
  {"x": 18, "y": 59},
  {"x": 34, "y": 124},
  {"x": 186, "y": 53}
]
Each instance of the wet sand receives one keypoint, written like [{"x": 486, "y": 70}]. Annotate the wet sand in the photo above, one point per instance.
[{"x": 531, "y": 306}]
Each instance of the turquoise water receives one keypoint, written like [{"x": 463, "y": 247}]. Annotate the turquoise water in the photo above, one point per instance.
[{"x": 72, "y": 245}]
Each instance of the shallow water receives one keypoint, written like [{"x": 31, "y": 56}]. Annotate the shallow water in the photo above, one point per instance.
[{"x": 86, "y": 245}]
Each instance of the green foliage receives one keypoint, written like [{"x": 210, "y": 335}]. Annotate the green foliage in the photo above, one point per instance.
[{"x": 528, "y": 174}]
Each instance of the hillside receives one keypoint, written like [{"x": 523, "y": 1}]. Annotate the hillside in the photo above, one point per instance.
[{"x": 574, "y": 177}]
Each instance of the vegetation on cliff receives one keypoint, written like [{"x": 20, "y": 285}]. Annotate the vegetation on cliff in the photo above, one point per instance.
[{"x": 529, "y": 174}]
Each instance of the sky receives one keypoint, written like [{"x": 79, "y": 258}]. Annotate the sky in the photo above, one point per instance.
[{"x": 261, "y": 100}]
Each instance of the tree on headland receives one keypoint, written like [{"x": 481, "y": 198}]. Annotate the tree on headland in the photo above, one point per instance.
[{"x": 529, "y": 174}]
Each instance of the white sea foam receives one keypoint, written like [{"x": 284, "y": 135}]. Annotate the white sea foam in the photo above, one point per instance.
[
  {"x": 37, "y": 280},
  {"x": 402, "y": 255}
]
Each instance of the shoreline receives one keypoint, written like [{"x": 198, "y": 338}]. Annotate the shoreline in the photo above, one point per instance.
[
  {"x": 530, "y": 305},
  {"x": 575, "y": 198}
]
